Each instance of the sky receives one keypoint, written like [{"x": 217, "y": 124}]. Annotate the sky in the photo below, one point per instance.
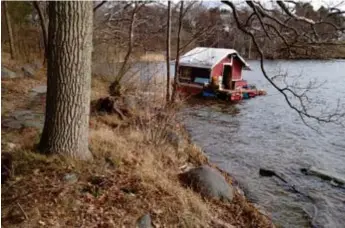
[{"x": 315, "y": 3}]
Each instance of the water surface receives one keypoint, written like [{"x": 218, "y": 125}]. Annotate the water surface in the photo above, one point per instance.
[{"x": 267, "y": 133}]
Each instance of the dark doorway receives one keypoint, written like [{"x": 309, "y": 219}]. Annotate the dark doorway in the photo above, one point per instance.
[{"x": 227, "y": 77}]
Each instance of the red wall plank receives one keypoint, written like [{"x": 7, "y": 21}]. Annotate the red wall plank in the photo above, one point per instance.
[
  {"x": 218, "y": 69},
  {"x": 236, "y": 69}
]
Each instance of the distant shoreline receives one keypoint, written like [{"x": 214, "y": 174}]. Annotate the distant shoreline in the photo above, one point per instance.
[{"x": 299, "y": 58}]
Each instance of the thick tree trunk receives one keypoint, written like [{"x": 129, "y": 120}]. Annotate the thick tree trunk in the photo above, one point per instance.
[
  {"x": 69, "y": 79},
  {"x": 168, "y": 52},
  {"x": 177, "y": 60},
  {"x": 9, "y": 29}
]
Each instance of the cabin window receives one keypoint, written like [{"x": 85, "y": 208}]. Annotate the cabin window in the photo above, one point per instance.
[
  {"x": 185, "y": 74},
  {"x": 194, "y": 75}
]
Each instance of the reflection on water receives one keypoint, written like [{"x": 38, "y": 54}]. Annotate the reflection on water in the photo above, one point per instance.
[{"x": 267, "y": 133}]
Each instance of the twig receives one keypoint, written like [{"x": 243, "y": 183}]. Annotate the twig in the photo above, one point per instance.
[
  {"x": 26, "y": 216},
  {"x": 98, "y": 6}
]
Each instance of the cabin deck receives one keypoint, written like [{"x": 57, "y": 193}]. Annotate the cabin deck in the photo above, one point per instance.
[
  {"x": 239, "y": 94},
  {"x": 243, "y": 91}
]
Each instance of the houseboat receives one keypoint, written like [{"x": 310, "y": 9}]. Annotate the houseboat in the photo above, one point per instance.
[{"x": 214, "y": 72}]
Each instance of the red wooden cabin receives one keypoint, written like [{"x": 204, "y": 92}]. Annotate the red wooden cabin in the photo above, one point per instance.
[{"x": 199, "y": 65}]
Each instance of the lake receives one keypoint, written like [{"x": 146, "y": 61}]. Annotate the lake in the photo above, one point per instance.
[{"x": 267, "y": 133}]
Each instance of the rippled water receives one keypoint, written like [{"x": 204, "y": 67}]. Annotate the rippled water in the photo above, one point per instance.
[{"x": 267, "y": 133}]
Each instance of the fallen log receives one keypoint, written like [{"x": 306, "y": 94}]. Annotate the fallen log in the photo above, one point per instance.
[
  {"x": 271, "y": 173},
  {"x": 324, "y": 174}
]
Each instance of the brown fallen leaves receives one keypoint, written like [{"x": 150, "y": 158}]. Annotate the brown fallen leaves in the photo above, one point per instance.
[{"x": 134, "y": 172}]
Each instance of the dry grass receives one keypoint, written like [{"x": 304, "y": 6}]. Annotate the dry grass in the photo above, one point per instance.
[
  {"x": 135, "y": 177},
  {"x": 134, "y": 171},
  {"x": 152, "y": 57}
]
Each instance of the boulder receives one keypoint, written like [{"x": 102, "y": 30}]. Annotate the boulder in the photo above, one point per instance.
[
  {"x": 70, "y": 178},
  {"x": 12, "y": 124},
  {"x": 7, "y": 74},
  {"x": 28, "y": 71},
  {"x": 144, "y": 221},
  {"x": 40, "y": 89},
  {"x": 208, "y": 182},
  {"x": 22, "y": 114},
  {"x": 34, "y": 124}
]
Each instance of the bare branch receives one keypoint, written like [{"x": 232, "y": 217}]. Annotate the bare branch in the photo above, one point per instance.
[
  {"x": 44, "y": 25},
  {"x": 99, "y": 5},
  {"x": 287, "y": 11},
  {"x": 302, "y": 109}
]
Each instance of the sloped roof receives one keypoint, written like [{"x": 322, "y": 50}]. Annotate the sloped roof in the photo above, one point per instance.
[{"x": 207, "y": 57}]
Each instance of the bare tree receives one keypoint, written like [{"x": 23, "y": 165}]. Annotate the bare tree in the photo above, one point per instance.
[
  {"x": 177, "y": 60},
  {"x": 9, "y": 29},
  {"x": 168, "y": 51},
  {"x": 44, "y": 25},
  {"x": 69, "y": 79},
  {"x": 303, "y": 31},
  {"x": 114, "y": 88}
]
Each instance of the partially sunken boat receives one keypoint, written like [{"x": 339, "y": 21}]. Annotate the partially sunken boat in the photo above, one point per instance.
[{"x": 215, "y": 72}]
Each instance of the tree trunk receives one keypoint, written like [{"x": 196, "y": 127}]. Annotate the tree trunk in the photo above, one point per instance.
[
  {"x": 168, "y": 52},
  {"x": 10, "y": 32},
  {"x": 115, "y": 87},
  {"x": 69, "y": 79},
  {"x": 177, "y": 60},
  {"x": 250, "y": 49},
  {"x": 43, "y": 26}
]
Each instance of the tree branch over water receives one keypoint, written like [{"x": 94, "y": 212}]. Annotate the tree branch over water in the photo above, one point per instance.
[{"x": 304, "y": 30}]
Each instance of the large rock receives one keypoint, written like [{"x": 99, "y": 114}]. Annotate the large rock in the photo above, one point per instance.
[
  {"x": 7, "y": 74},
  {"x": 34, "y": 124},
  {"x": 24, "y": 118},
  {"x": 22, "y": 114},
  {"x": 208, "y": 182},
  {"x": 70, "y": 178},
  {"x": 144, "y": 221},
  {"x": 28, "y": 71},
  {"x": 11, "y": 124},
  {"x": 40, "y": 89}
]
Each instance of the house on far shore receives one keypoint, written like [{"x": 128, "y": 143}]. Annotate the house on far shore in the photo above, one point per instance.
[{"x": 199, "y": 65}]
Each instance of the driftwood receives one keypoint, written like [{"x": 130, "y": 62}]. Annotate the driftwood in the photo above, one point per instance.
[
  {"x": 271, "y": 173},
  {"x": 325, "y": 175}
]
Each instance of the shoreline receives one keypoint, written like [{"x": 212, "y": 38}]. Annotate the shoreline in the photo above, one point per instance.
[
  {"x": 231, "y": 180},
  {"x": 134, "y": 171}
]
